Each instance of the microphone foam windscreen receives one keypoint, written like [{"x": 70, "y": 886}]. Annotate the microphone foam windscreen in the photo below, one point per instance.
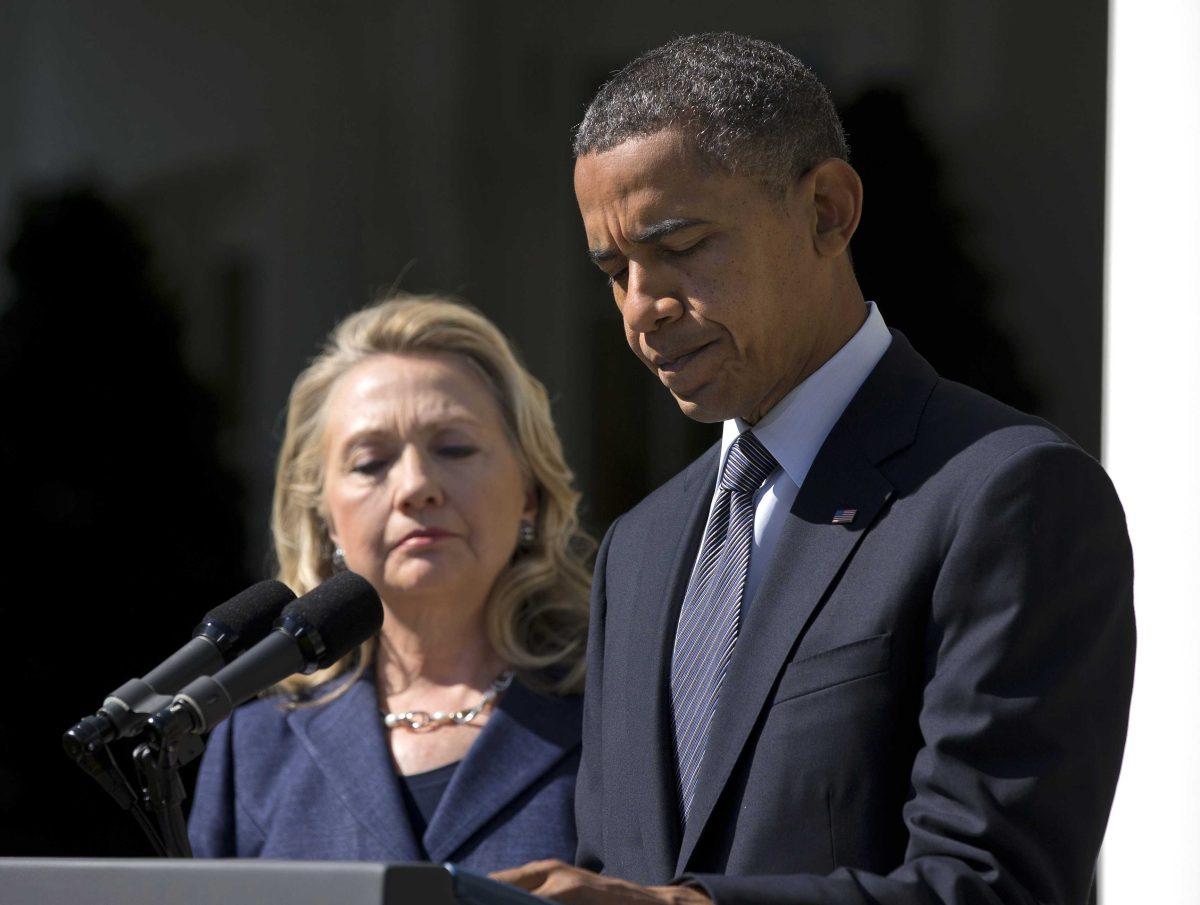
[
  {"x": 252, "y": 613},
  {"x": 345, "y": 611}
]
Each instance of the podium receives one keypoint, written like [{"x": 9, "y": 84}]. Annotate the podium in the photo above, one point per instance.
[{"x": 125, "y": 881}]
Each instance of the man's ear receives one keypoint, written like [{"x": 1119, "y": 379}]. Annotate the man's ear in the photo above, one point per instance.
[{"x": 837, "y": 202}]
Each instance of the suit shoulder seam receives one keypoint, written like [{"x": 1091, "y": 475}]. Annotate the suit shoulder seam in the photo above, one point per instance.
[{"x": 1024, "y": 449}]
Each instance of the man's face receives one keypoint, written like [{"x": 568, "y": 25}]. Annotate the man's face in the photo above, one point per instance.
[{"x": 721, "y": 290}]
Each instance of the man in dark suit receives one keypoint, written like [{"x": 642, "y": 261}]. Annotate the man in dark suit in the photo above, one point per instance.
[{"x": 877, "y": 645}]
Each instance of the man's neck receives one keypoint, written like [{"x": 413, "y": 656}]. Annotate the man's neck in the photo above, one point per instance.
[{"x": 852, "y": 315}]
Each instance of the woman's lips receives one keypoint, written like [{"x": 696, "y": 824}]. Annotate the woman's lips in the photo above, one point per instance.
[{"x": 424, "y": 537}]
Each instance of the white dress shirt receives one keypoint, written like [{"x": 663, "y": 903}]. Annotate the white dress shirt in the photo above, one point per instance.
[{"x": 794, "y": 430}]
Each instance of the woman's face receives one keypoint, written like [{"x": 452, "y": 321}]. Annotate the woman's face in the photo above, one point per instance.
[{"x": 423, "y": 490}]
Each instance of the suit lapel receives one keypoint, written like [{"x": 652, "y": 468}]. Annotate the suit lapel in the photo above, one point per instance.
[
  {"x": 669, "y": 550},
  {"x": 345, "y": 739},
  {"x": 790, "y": 590},
  {"x": 810, "y": 555},
  {"x": 524, "y": 738}
]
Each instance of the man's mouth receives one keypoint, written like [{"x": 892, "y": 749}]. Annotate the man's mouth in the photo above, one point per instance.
[{"x": 670, "y": 364}]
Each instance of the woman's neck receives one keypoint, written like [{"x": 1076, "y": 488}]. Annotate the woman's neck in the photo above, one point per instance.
[{"x": 432, "y": 658}]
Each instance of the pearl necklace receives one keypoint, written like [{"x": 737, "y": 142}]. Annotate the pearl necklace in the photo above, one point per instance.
[{"x": 424, "y": 721}]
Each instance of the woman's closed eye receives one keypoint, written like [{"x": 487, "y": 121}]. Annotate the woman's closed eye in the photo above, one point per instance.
[
  {"x": 369, "y": 467},
  {"x": 456, "y": 450}
]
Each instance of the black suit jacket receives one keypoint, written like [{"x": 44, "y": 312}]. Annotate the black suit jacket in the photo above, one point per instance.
[{"x": 926, "y": 705}]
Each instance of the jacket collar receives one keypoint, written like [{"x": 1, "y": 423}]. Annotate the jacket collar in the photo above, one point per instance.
[
  {"x": 345, "y": 739},
  {"x": 524, "y": 738}
]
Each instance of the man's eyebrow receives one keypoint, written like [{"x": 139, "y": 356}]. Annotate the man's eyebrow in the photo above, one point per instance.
[
  {"x": 651, "y": 233},
  {"x": 664, "y": 228},
  {"x": 601, "y": 255}
]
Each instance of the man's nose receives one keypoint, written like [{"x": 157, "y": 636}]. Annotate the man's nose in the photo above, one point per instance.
[
  {"x": 649, "y": 303},
  {"x": 414, "y": 481}
]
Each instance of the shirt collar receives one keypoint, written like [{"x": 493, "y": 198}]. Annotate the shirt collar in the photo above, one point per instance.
[{"x": 796, "y": 427}]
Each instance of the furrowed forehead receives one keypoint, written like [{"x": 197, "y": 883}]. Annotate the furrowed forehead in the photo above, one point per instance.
[
  {"x": 622, "y": 209},
  {"x": 646, "y": 189}
]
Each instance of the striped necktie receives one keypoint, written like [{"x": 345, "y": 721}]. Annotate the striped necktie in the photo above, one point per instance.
[{"x": 708, "y": 620}]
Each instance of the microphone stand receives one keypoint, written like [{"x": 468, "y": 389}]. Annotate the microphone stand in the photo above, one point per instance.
[
  {"x": 158, "y": 760},
  {"x": 95, "y": 758}
]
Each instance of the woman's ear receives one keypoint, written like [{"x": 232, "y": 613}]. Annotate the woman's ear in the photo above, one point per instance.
[
  {"x": 327, "y": 524},
  {"x": 530, "y": 512}
]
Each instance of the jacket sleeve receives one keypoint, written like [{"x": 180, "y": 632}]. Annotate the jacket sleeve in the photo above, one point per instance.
[
  {"x": 589, "y": 783},
  {"x": 1029, "y": 669}
]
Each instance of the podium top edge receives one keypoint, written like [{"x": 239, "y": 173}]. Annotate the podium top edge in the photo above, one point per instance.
[{"x": 223, "y": 864}]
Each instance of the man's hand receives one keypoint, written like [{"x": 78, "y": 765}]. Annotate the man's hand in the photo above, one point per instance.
[{"x": 575, "y": 886}]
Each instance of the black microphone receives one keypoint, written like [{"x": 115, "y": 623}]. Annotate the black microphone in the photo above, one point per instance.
[
  {"x": 221, "y": 636},
  {"x": 315, "y": 631}
]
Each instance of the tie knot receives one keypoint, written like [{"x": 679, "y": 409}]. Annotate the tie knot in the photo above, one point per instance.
[{"x": 747, "y": 464}]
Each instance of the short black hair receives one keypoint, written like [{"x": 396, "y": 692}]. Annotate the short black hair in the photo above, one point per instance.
[{"x": 747, "y": 106}]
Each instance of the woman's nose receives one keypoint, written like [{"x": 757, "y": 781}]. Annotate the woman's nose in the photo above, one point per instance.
[{"x": 414, "y": 481}]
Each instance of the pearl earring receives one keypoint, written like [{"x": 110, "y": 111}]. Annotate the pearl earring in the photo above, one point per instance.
[{"x": 526, "y": 534}]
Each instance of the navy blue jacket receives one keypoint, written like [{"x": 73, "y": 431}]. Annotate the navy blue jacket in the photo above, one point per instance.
[
  {"x": 925, "y": 704},
  {"x": 319, "y": 783}
]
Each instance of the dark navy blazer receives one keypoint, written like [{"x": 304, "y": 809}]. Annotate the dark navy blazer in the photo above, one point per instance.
[
  {"x": 926, "y": 703},
  {"x": 319, "y": 783}
]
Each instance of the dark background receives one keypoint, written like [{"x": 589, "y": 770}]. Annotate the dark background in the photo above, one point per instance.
[{"x": 193, "y": 194}]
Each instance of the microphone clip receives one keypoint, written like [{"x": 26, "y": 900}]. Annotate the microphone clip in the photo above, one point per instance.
[{"x": 158, "y": 761}]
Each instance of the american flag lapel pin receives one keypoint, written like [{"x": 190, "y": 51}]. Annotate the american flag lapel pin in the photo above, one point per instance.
[{"x": 844, "y": 516}]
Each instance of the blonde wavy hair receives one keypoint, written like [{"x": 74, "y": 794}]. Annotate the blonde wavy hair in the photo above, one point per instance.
[{"x": 536, "y": 614}]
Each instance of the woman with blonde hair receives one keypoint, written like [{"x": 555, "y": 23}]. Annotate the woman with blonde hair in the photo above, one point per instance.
[{"x": 420, "y": 454}]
